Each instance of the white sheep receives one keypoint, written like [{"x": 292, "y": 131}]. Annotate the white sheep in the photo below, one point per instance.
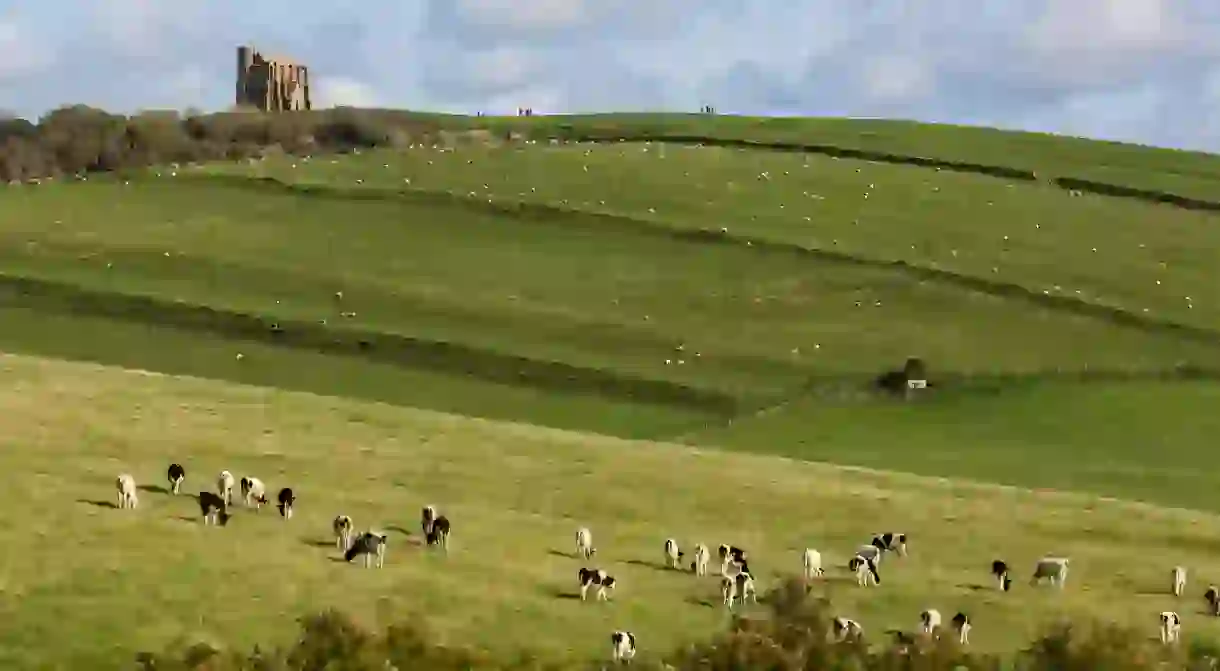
[
  {"x": 127, "y": 491},
  {"x": 253, "y": 492},
  {"x": 1171, "y": 627},
  {"x": 843, "y": 628},
  {"x": 224, "y": 487},
  {"x": 672, "y": 554},
  {"x": 728, "y": 590},
  {"x": 865, "y": 570},
  {"x": 584, "y": 543},
  {"x": 1179, "y": 580},
  {"x": 343, "y": 527},
  {"x": 812, "y": 561},
  {"x": 622, "y": 646},
  {"x": 870, "y": 552},
  {"x": 929, "y": 621},
  {"x": 1053, "y": 568},
  {"x": 702, "y": 557},
  {"x": 427, "y": 516}
]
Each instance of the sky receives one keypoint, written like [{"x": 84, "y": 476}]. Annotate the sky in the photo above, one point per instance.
[{"x": 1144, "y": 71}]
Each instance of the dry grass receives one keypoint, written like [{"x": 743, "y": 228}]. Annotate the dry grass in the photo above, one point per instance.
[{"x": 89, "y": 580}]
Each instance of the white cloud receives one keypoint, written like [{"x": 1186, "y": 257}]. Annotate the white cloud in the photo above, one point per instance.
[
  {"x": 516, "y": 14},
  {"x": 343, "y": 92},
  {"x": 19, "y": 55}
]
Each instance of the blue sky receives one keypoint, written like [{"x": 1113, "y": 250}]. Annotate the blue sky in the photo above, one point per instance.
[{"x": 1138, "y": 70}]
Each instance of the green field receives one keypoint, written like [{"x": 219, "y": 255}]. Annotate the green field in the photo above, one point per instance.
[{"x": 723, "y": 308}]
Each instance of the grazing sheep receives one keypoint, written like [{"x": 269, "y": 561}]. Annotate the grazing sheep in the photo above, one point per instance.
[
  {"x": 426, "y": 517},
  {"x": 1054, "y": 568},
  {"x": 1212, "y": 597},
  {"x": 812, "y": 561},
  {"x": 213, "y": 508},
  {"x": 126, "y": 486},
  {"x": 253, "y": 491},
  {"x": 929, "y": 621},
  {"x": 1171, "y": 627},
  {"x": 961, "y": 624},
  {"x": 343, "y": 527},
  {"x": 889, "y": 541},
  {"x": 1179, "y": 580},
  {"x": 702, "y": 556},
  {"x": 622, "y": 646},
  {"x": 743, "y": 587},
  {"x": 999, "y": 569},
  {"x": 439, "y": 534},
  {"x": 584, "y": 543},
  {"x": 285, "y": 500},
  {"x": 843, "y": 628},
  {"x": 589, "y": 577},
  {"x": 224, "y": 487},
  {"x": 731, "y": 554},
  {"x": 176, "y": 475},
  {"x": 672, "y": 554},
  {"x": 870, "y": 552},
  {"x": 370, "y": 544},
  {"x": 865, "y": 570}
]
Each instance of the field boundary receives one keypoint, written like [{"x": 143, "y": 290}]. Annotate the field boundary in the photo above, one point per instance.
[{"x": 519, "y": 209}]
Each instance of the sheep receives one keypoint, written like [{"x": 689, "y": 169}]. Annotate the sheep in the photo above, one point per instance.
[
  {"x": 343, "y": 527},
  {"x": 812, "y": 561},
  {"x": 702, "y": 556},
  {"x": 1171, "y": 627},
  {"x": 285, "y": 500},
  {"x": 370, "y": 544},
  {"x": 1054, "y": 568},
  {"x": 870, "y": 552},
  {"x": 426, "y": 517},
  {"x": 589, "y": 577},
  {"x": 584, "y": 543},
  {"x": 439, "y": 535},
  {"x": 1179, "y": 580},
  {"x": 730, "y": 553},
  {"x": 672, "y": 554},
  {"x": 843, "y": 628},
  {"x": 213, "y": 508},
  {"x": 929, "y": 621},
  {"x": 961, "y": 624},
  {"x": 126, "y": 486},
  {"x": 224, "y": 487},
  {"x": 622, "y": 646},
  {"x": 253, "y": 491},
  {"x": 999, "y": 569},
  {"x": 1212, "y": 597},
  {"x": 744, "y": 587},
  {"x": 728, "y": 590},
  {"x": 176, "y": 475},
  {"x": 865, "y": 570},
  {"x": 889, "y": 541}
]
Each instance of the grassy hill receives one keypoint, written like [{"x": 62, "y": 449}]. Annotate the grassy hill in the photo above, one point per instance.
[{"x": 730, "y": 297}]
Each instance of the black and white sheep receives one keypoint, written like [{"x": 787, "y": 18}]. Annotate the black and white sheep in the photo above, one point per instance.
[
  {"x": 961, "y": 624},
  {"x": 891, "y": 542},
  {"x": 589, "y": 577},
  {"x": 584, "y": 543},
  {"x": 733, "y": 555},
  {"x": 999, "y": 569},
  {"x": 865, "y": 570},
  {"x": 284, "y": 502},
  {"x": 1053, "y": 568},
  {"x": 622, "y": 646},
  {"x": 870, "y": 552},
  {"x": 253, "y": 492},
  {"x": 176, "y": 476},
  {"x": 427, "y": 515},
  {"x": 439, "y": 534},
  {"x": 224, "y": 487},
  {"x": 842, "y": 629},
  {"x": 126, "y": 485},
  {"x": 811, "y": 560},
  {"x": 702, "y": 557},
  {"x": 1178, "y": 578},
  {"x": 1212, "y": 597},
  {"x": 1171, "y": 627},
  {"x": 673, "y": 556},
  {"x": 370, "y": 544},
  {"x": 343, "y": 528},
  {"x": 929, "y": 621},
  {"x": 213, "y": 508}
]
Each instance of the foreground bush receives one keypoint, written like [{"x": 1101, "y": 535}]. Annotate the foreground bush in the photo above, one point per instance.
[{"x": 790, "y": 636}]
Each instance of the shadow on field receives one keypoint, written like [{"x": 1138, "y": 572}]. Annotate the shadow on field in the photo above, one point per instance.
[
  {"x": 565, "y": 555},
  {"x": 703, "y": 603},
  {"x": 652, "y": 565},
  {"x": 398, "y": 530},
  {"x": 317, "y": 543},
  {"x": 98, "y": 504},
  {"x": 153, "y": 489},
  {"x": 558, "y": 593}
]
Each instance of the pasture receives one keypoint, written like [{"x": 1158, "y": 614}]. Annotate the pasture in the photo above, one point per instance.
[{"x": 93, "y": 584}]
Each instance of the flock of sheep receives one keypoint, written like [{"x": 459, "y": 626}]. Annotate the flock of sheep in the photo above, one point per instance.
[{"x": 736, "y": 580}]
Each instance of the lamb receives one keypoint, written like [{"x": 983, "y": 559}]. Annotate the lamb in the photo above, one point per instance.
[
  {"x": 865, "y": 570},
  {"x": 672, "y": 554},
  {"x": 622, "y": 646},
  {"x": 812, "y": 560},
  {"x": 590, "y": 577},
  {"x": 370, "y": 544},
  {"x": 126, "y": 486},
  {"x": 870, "y": 552},
  {"x": 1171, "y": 627},
  {"x": 1212, "y": 596},
  {"x": 253, "y": 490},
  {"x": 1179, "y": 580},
  {"x": 285, "y": 500},
  {"x": 890, "y": 541},
  {"x": 584, "y": 543},
  {"x": 1054, "y": 568},
  {"x": 176, "y": 475},
  {"x": 426, "y": 517},
  {"x": 213, "y": 508},
  {"x": 999, "y": 569},
  {"x": 702, "y": 556},
  {"x": 343, "y": 527},
  {"x": 224, "y": 487},
  {"x": 843, "y": 628},
  {"x": 929, "y": 621},
  {"x": 439, "y": 535},
  {"x": 961, "y": 624}
]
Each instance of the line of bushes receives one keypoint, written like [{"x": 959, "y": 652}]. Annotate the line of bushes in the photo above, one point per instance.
[{"x": 790, "y": 634}]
